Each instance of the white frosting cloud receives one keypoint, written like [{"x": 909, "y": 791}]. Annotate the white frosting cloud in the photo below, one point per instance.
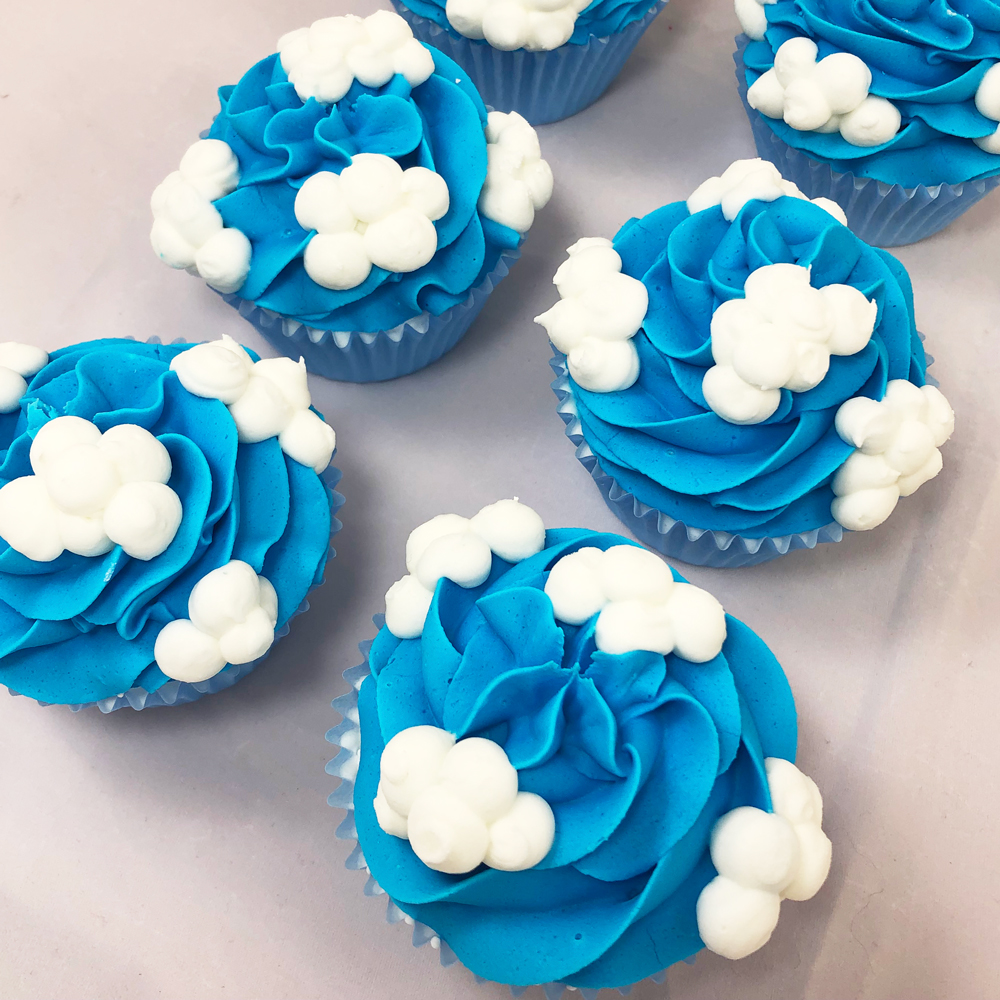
[
  {"x": 988, "y": 104},
  {"x": 763, "y": 858},
  {"x": 18, "y": 362},
  {"x": 90, "y": 492},
  {"x": 267, "y": 399},
  {"x": 781, "y": 335},
  {"x": 232, "y": 612},
  {"x": 458, "y": 803},
  {"x": 535, "y": 25},
  {"x": 323, "y": 60},
  {"x": 373, "y": 212},
  {"x": 897, "y": 441},
  {"x": 640, "y": 605},
  {"x": 187, "y": 228},
  {"x": 460, "y": 549},
  {"x": 752, "y": 17},
  {"x": 749, "y": 180},
  {"x": 518, "y": 180},
  {"x": 826, "y": 96},
  {"x": 598, "y": 313}
]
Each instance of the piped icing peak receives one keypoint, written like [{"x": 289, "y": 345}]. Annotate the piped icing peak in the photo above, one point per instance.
[
  {"x": 535, "y": 25},
  {"x": 18, "y": 362}
]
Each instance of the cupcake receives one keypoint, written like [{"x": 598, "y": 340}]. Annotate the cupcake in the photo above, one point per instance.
[
  {"x": 575, "y": 768},
  {"x": 164, "y": 510},
  {"x": 353, "y": 199},
  {"x": 742, "y": 374},
  {"x": 544, "y": 60},
  {"x": 892, "y": 110}
]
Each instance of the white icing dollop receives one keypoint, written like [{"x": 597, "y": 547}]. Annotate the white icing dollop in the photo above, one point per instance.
[
  {"x": 518, "y": 180},
  {"x": 535, "y": 25},
  {"x": 232, "y": 613},
  {"x": 323, "y": 60},
  {"x": 372, "y": 212},
  {"x": 752, "y": 17},
  {"x": 18, "y": 362},
  {"x": 461, "y": 550},
  {"x": 763, "y": 858},
  {"x": 598, "y": 313},
  {"x": 780, "y": 336},
  {"x": 269, "y": 398},
  {"x": 897, "y": 440},
  {"x": 90, "y": 492},
  {"x": 749, "y": 180},
  {"x": 187, "y": 228},
  {"x": 458, "y": 804},
  {"x": 826, "y": 96},
  {"x": 638, "y": 603},
  {"x": 988, "y": 105}
]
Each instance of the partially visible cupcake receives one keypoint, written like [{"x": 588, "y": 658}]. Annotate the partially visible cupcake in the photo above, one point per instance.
[
  {"x": 164, "y": 511},
  {"x": 353, "y": 199},
  {"x": 891, "y": 109},
  {"x": 575, "y": 768},
  {"x": 544, "y": 59},
  {"x": 742, "y": 374}
]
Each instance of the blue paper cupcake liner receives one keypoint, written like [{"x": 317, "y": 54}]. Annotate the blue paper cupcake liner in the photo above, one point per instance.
[
  {"x": 881, "y": 214},
  {"x": 374, "y": 357},
  {"x": 541, "y": 86}
]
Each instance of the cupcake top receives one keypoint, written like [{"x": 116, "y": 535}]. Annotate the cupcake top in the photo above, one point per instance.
[
  {"x": 351, "y": 181},
  {"x": 742, "y": 362},
  {"x": 905, "y": 92},
  {"x": 576, "y": 767},
  {"x": 162, "y": 513}
]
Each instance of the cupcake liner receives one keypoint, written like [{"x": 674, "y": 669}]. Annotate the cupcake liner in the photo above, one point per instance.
[
  {"x": 374, "y": 357},
  {"x": 541, "y": 86},
  {"x": 881, "y": 214}
]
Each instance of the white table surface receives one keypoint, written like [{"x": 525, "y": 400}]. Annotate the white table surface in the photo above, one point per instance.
[{"x": 189, "y": 852}]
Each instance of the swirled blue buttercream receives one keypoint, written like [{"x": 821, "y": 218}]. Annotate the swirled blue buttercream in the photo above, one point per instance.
[
  {"x": 638, "y": 754},
  {"x": 80, "y": 629},
  {"x": 926, "y": 57}
]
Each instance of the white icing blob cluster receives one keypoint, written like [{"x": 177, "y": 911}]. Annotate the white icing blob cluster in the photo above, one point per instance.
[
  {"x": 988, "y": 104},
  {"x": 640, "y": 604},
  {"x": 535, "y": 25},
  {"x": 598, "y": 313},
  {"x": 781, "y": 335},
  {"x": 518, "y": 180},
  {"x": 323, "y": 60},
  {"x": 752, "y": 17},
  {"x": 18, "y": 362},
  {"x": 232, "y": 612},
  {"x": 90, "y": 492},
  {"x": 187, "y": 228},
  {"x": 373, "y": 212},
  {"x": 897, "y": 441},
  {"x": 826, "y": 96},
  {"x": 269, "y": 398},
  {"x": 749, "y": 180},
  {"x": 459, "y": 549},
  {"x": 761, "y": 859},
  {"x": 458, "y": 803}
]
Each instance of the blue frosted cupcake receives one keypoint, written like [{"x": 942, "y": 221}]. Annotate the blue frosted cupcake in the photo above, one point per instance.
[
  {"x": 891, "y": 109},
  {"x": 575, "y": 769},
  {"x": 742, "y": 374},
  {"x": 353, "y": 199},
  {"x": 163, "y": 513}
]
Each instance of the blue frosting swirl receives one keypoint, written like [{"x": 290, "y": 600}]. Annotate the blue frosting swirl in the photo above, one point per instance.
[
  {"x": 926, "y": 56},
  {"x": 80, "y": 629},
  {"x": 280, "y": 142},
  {"x": 660, "y": 440},
  {"x": 638, "y": 755}
]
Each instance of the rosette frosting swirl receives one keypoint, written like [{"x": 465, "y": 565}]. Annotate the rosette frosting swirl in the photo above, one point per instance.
[
  {"x": 638, "y": 754},
  {"x": 82, "y": 628}
]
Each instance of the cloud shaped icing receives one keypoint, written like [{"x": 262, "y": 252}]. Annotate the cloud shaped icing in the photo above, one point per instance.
[
  {"x": 781, "y": 335},
  {"x": 640, "y": 604},
  {"x": 518, "y": 180},
  {"x": 826, "y": 96},
  {"x": 269, "y": 398},
  {"x": 187, "y": 228},
  {"x": 535, "y": 25},
  {"x": 373, "y": 212},
  {"x": 763, "y": 858},
  {"x": 232, "y": 612},
  {"x": 90, "y": 492},
  {"x": 18, "y": 362},
  {"x": 752, "y": 17},
  {"x": 458, "y": 804},
  {"x": 988, "y": 104},
  {"x": 897, "y": 440}
]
